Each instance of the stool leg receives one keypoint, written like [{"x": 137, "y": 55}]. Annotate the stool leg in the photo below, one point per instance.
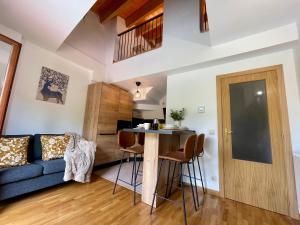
[
  {"x": 191, "y": 183},
  {"x": 183, "y": 197},
  {"x": 132, "y": 173},
  {"x": 201, "y": 176},
  {"x": 118, "y": 173},
  {"x": 168, "y": 177},
  {"x": 134, "y": 181},
  {"x": 155, "y": 191},
  {"x": 139, "y": 164},
  {"x": 175, "y": 163},
  {"x": 196, "y": 189}
]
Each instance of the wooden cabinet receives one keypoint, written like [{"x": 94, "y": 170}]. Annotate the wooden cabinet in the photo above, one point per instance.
[
  {"x": 109, "y": 109},
  {"x": 107, "y": 149},
  {"x": 105, "y": 105},
  {"x": 125, "y": 106}
]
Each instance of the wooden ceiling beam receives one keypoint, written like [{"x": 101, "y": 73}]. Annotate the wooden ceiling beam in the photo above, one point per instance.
[
  {"x": 111, "y": 8},
  {"x": 143, "y": 11}
]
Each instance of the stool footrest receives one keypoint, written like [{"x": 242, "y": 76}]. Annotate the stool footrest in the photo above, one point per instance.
[
  {"x": 167, "y": 199},
  {"x": 126, "y": 182}
]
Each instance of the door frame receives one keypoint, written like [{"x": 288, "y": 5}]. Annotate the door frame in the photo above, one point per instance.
[
  {"x": 9, "y": 77},
  {"x": 288, "y": 157}
]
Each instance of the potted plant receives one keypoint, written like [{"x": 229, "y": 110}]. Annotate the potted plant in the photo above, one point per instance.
[{"x": 177, "y": 116}]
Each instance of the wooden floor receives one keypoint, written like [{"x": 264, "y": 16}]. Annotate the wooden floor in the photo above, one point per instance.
[{"x": 94, "y": 203}]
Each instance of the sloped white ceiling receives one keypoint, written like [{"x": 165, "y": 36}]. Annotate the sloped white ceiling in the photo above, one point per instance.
[
  {"x": 233, "y": 19},
  {"x": 158, "y": 84},
  {"x": 45, "y": 22}
]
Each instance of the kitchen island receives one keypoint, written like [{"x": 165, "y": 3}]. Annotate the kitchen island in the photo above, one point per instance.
[{"x": 157, "y": 142}]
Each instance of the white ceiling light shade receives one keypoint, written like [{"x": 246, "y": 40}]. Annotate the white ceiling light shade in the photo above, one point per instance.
[
  {"x": 137, "y": 94},
  {"x": 142, "y": 93}
]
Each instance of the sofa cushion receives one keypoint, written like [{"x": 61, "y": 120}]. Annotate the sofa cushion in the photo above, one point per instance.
[
  {"x": 52, "y": 166},
  {"x": 13, "y": 151},
  {"x": 18, "y": 173},
  {"x": 25, "y": 186},
  {"x": 30, "y": 145},
  {"x": 54, "y": 147},
  {"x": 37, "y": 146}
]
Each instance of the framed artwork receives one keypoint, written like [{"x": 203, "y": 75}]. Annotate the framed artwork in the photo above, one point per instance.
[{"x": 52, "y": 86}]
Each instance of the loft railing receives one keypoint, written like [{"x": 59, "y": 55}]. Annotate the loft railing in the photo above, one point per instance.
[{"x": 139, "y": 39}]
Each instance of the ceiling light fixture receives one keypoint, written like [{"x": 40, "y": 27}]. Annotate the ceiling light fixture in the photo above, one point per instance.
[{"x": 138, "y": 93}]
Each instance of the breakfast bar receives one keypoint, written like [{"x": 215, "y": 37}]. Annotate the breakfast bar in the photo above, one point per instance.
[{"x": 157, "y": 142}]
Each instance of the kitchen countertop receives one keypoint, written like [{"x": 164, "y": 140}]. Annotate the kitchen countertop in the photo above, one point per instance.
[{"x": 160, "y": 131}]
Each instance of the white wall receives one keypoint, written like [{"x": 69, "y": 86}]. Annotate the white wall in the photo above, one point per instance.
[
  {"x": 97, "y": 69},
  {"x": 92, "y": 44},
  {"x": 26, "y": 114},
  {"x": 3, "y": 68},
  {"x": 87, "y": 45},
  {"x": 182, "y": 21},
  {"x": 10, "y": 33},
  {"x": 230, "y": 20},
  {"x": 297, "y": 174},
  {"x": 297, "y": 63},
  {"x": 153, "y": 114},
  {"x": 150, "y": 111},
  {"x": 90, "y": 36},
  {"x": 198, "y": 87},
  {"x": 5, "y": 51}
]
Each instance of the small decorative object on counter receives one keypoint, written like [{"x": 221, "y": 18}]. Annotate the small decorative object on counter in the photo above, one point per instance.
[
  {"x": 161, "y": 126},
  {"x": 155, "y": 124},
  {"x": 177, "y": 116}
]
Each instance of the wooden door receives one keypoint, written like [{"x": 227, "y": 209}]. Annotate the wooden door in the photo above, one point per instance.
[{"x": 255, "y": 159}]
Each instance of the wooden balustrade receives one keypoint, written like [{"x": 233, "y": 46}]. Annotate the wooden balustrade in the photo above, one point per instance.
[{"x": 139, "y": 39}]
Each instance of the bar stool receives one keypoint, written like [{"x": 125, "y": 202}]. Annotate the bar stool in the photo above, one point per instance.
[
  {"x": 198, "y": 153},
  {"x": 126, "y": 141},
  {"x": 140, "y": 140},
  {"x": 182, "y": 158}
]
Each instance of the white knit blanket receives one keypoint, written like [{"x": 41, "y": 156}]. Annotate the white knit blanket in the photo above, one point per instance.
[{"x": 79, "y": 157}]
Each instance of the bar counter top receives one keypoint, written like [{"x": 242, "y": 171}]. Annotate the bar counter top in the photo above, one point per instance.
[{"x": 160, "y": 131}]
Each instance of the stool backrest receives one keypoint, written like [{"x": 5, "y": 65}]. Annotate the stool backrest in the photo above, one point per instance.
[
  {"x": 126, "y": 139},
  {"x": 189, "y": 147},
  {"x": 199, "y": 144},
  {"x": 141, "y": 138}
]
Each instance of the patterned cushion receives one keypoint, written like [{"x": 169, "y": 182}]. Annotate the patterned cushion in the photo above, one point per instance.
[
  {"x": 53, "y": 147},
  {"x": 13, "y": 151}
]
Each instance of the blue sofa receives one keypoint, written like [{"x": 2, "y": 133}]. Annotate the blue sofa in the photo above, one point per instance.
[{"x": 36, "y": 175}]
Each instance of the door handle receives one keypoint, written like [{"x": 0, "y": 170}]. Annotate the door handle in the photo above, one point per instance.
[{"x": 228, "y": 131}]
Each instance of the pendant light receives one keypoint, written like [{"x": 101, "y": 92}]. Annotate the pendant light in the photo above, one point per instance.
[{"x": 137, "y": 93}]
